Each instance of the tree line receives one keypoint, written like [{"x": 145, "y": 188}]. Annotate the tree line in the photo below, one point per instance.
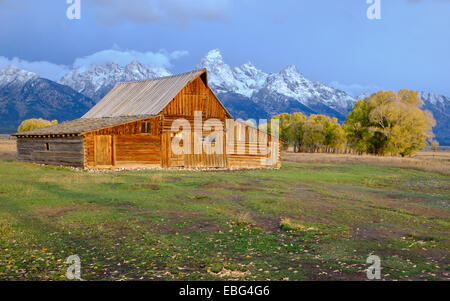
[{"x": 383, "y": 123}]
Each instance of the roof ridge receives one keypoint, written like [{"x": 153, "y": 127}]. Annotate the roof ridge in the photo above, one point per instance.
[{"x": 143, "y": 97}]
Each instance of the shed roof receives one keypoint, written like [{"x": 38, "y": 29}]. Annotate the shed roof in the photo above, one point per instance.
[
  {"x": 148, "y": 97},
  {"x": 82, "y": 125}
]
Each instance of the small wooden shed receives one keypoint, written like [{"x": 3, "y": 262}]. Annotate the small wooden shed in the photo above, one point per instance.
[{"x": 131, "y": 127}]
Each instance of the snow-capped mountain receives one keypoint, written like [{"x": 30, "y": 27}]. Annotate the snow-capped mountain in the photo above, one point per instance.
[
  {"x": 25, "y": 95},
  {"x": 244, "y": 80},
  {"x": 13, "y": 76},
  {"x": 95, "y": 81},
  {"x": 439, "y": 105},
  {"x": 275, "y": 93}
]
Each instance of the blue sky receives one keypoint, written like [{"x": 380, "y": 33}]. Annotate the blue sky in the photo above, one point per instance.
[{"x": 328, "y": 40}]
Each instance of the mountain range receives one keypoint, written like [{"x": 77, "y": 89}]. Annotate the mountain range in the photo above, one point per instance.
[
  {"x": 246, "y": 91},
  {"x": 25, "y": 95}
]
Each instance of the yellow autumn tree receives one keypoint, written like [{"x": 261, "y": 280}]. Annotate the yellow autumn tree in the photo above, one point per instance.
[
  {"x": 389, "y": 122},
  {"x": 316, "y": 133},
  {"x": 35, "y": 123}
]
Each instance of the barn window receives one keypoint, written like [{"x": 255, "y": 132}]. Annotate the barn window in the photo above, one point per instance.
[
  {"x": 46, "y": 147},
  {"x": 146, "y": 127}
]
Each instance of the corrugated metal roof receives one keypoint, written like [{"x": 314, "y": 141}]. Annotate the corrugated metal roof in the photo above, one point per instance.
[
  {"x": 80, "y": 126},
  {"x": 147, "y": 97}
]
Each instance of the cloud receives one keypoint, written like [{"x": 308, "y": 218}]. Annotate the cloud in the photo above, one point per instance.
[
  {"x": 43, "y": 68},
  {"x": 180, "y": 12},
  {"x": 158, "y": 59},
  {"x": 355, "y": 89}
]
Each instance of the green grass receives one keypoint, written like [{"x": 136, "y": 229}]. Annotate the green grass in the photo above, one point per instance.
[{"x": 303, "y": 222}]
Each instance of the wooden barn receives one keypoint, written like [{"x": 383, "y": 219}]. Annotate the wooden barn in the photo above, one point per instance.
[{"x": 132, "y": 127}]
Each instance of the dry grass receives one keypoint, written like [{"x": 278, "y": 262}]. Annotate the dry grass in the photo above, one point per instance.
[
  {"x": 7, "y": 144},
  {"x": 7, "y": 148},
  {"x": 423, "y": 160}
]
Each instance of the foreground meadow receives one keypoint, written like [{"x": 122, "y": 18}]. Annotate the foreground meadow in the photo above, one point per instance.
[{"x": 307, "y": 221}]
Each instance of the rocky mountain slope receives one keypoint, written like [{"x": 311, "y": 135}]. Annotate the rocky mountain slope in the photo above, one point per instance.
[
  {"x": 439, "y": 105},
  {"x": 95, "y": 81},
  {"x": 25, "y": 95}
]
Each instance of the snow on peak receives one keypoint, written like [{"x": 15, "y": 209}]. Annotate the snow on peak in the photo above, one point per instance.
[
  {"x": 95, "y": 81},
  {"x": 214, "y": 55},
  {"x": 13, "y": 74},
  {"x": 249, "y": 81},
  {"x": 244, "y": 80},
  {"x": 290, "y": 70},
  {"x": 434, "y": 99},
  {"x": 292, "y": 84}
]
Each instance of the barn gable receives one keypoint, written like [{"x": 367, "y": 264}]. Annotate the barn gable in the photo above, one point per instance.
[{"x": 148, "y": 97}]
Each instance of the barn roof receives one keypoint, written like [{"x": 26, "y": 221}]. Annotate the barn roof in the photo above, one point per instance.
[
  {"x": 148, "y": 97},
  {"x": 80, "y": 126},
  {"x": 126, "y": 102}
]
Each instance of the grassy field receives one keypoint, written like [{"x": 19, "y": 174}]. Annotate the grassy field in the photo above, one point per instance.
[
  {"x": 307, "y": 221},
  {"x": 423, "y": 160}
]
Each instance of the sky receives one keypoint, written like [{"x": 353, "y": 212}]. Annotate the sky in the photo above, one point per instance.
[{"x": 329, "y": 41}]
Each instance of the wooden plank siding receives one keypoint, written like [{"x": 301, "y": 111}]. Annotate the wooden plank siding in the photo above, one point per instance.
[
  {"x": 129, "y": 147},
  {"x": 66, "y": 151},
  {"x": 194, "y": 97},
  {"x": 248, "y": 151}
]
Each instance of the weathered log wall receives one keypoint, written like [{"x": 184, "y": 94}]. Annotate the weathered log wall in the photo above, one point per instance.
[{"x": 67, "y": 151}]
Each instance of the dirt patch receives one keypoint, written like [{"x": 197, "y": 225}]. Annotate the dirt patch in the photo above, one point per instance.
[
  {"x": 174, "y": 179},
  {"x": 146, "y": 186},
  {"x": 176, "y": 222},
  {"x": 235, "y": 198},
  {"x": 55, "y": 212},
  {"x": 267, "y": 223},
  {"x": 377, "y": 234},
  {"x": 215, "y": 185},
  {"x": 319, "y": 272},
  {"x": 199, "y": 226},
  {"x": 243, "y": 186}
]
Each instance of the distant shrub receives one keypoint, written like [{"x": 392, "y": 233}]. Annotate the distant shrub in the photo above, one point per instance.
[{"x": 34, "y": 123}]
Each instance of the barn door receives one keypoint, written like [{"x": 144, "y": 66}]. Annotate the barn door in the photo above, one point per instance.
[{"x": 103, "y": 150}]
